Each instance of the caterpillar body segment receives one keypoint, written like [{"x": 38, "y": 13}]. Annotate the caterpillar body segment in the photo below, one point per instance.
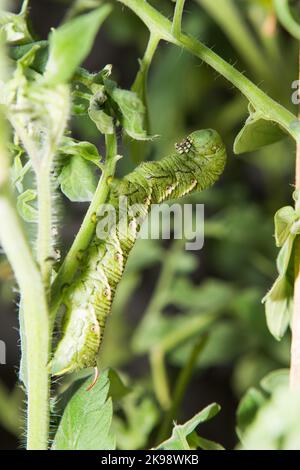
[{"x": 196, "y": 164}]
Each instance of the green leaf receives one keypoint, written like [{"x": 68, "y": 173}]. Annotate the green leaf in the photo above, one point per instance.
[
  {"x": 248, "y": 408},
  {"x": 86, "y": 421},
  {"x": 276, "y": 424},
  {"x": 78, "y": 180},
  {"x": 29, "y": 58},
  {"x": 103, "y": 121},
  {"x": 16, "y": 171},
  {"x": 256, "y": 133},
  {"x": 185, "y": 262},
  {"x": 198, "y": 442},
  {"x": 71, "y": 43},
  {"x": 279, "y": 307},
  {"x": 10, "y": 408},
  {"x": 167, "y": 333},
  {"x": 141, "y": 415},
  {"x": 279, "y": 300},
  {"x": 82, "y": 149},
  {"x": 284, "y": 255},
  {"x": 211, "y": 295},
  {"x": 132, "y": 111},
  {"x": 284, "y": 219},
  {"x": 117, "y": 389},
  {"x": 26, "y": 211},
  {"x": 178, "y": 440},
  {"x": 275, "y": 379},
  {"x": 224, "y": 345},
  {"x": 15, "y": 26},
  {"x": 41, "y": 55}
]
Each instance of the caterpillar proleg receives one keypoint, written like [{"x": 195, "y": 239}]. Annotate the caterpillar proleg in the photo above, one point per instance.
[{"x": 195, "y": 165}]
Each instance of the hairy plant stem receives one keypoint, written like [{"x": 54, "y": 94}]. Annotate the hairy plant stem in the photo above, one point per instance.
[
  {"x": 35, "y": 322},
  {"x": 87, "y": 229},
  {"x": 35, "y": 327},
  {"x": 161, "y": 26}
]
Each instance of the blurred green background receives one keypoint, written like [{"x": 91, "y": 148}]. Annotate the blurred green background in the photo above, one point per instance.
[{"x": 214, "y": 294}]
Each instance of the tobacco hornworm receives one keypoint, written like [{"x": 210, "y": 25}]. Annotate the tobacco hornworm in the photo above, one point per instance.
[{"x": 195, "y": 165}]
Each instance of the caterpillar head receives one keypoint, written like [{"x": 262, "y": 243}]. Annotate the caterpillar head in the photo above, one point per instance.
[{"x": 205, "y": 153}]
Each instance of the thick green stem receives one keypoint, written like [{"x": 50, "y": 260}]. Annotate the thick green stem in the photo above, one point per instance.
[
  {"x": 35, "y": 321},
  {"x": 87, "y": 229},
  {"x": 42, "y": 160},
  {"x": 270, "y": 109},
  {"x": 35, "y": 309}
]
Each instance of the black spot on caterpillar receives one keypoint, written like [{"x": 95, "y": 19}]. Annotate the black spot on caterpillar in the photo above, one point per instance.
[{"x": 196, "y": 164}]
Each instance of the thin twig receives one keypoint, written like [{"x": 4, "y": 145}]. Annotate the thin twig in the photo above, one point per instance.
[{"x": 177, "y": 18}]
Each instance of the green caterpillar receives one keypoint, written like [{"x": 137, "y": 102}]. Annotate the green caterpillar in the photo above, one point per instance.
[{"x": 195, "y": 165}]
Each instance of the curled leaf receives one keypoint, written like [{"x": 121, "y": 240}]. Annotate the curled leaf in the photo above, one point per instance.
[
  {"x": 131, "y": 111},
  {"x": 256, "y": 133},
  {"x": 14, "y": 26},
  {"x": 279, "y": 307},
  {"x": 178, "y": 440},
  {"x": 103, "y": 121},
  {"x": 284, "y": 219},
  {"x": 82, "y": 149},
  {"x": 279, "y": 300}
]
